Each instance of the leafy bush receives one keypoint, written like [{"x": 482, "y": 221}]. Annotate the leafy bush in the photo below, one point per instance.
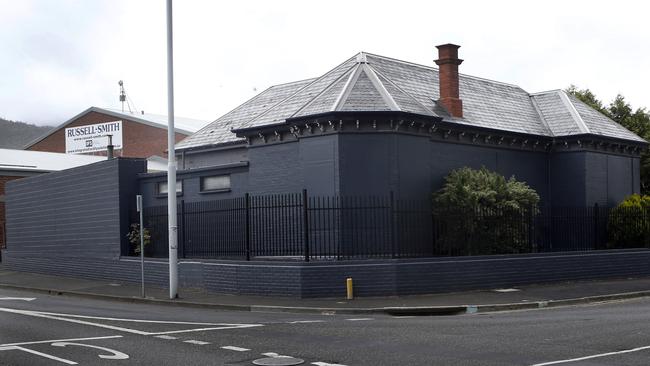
[
  {"x": 481, "y": 212},
  {"x": 467, "y": 188},
  {"x": 629, "y": 223},
  {"x": 134, "y": 237}
]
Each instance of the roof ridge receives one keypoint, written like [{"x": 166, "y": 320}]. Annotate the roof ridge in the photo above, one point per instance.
[
  {"x": 297, "y": 91},
  {"x": 381, "y": 88},
  {"x": 435, "y": 68},
  {"x": 291, "y": 82},
  {"x": 577, "y": 118},
  {"x": 541, "y": 115},
  {"x": 214, "y": 124},
  {"x": 545, "y": 92},
  {"x": 326, "y": 89},
  {"x": 403, "y": 91}
]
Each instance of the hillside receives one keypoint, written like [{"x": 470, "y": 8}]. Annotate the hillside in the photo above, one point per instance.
[{"x": 14, "y": 135}]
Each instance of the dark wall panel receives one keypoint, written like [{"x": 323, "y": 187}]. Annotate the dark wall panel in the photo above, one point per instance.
[
  {"x": 620, "y": 175},
  {"x": 319, "y": 162},
  {"x": 275, "y": 169},
  {"x": 75, "y": 212},
  {"x": 368, "y": 164},
  {"x": 568, "y": 179},
  {"x": 148, "y": 185},
  {"x": 211, "y": 158}
]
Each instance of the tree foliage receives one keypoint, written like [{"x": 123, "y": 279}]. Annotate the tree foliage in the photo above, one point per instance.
[
  {"x": 629, "y": 223},
  {"x": 468, "y": 188},
  {"x": 619, "y": 110},
  {"x": 480, "y": 212}
]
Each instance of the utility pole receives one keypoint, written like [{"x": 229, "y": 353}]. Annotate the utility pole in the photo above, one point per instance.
[{"x": 171, "y": 163}]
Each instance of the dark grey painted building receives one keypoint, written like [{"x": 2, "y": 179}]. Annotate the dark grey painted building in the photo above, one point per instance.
[
  {"x": 374, "y": 124},
  {"x": 369, "y": 126}
]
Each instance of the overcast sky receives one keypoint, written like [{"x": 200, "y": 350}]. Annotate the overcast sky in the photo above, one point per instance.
[{"x": 58, "y": 57}]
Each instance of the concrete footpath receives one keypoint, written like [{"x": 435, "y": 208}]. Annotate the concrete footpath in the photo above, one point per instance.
[{"x": 521, "y": 297}]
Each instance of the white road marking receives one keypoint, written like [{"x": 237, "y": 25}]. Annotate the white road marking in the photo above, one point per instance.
[
  {"x": 114, "y": 355},
  {"x": 326, "y": 364},
  {"x": 228, "y": 326},
  {"x": 65, "y": 318},
  {"x": 165, "y": 337},
  {"x": 592, "y": 356},
  {"x": 18, "y": 298},
  {"x": 306, "y": 321},
  {"x": 59, "y": 340},
  {"x": 192, "y": 341},
  {"x": 359, "y": 319},
  {"x": 127, "y": 320},
  {"x": 39, "y": 315},
  {"x": 63, "y": 360},
  {"x": 274, "y": 355},
  {"x": 233, "y": 348}
]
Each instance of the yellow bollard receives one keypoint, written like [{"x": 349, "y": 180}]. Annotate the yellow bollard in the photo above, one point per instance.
[{"x": 348, "y": 285}]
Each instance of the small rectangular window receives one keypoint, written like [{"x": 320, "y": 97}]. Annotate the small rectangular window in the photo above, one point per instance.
[
  {"x": 162, "y": 187},
  {"x": 215, "y": 183}
]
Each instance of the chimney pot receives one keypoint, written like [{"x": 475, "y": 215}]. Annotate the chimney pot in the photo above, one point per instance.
[{"x": 448, "y": 62}]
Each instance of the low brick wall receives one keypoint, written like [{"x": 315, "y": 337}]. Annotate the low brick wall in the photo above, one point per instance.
[{"x": 371, "y": 278}]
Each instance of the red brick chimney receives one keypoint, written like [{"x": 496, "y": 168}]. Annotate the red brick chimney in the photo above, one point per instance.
[{"x": 448, "y": 62}]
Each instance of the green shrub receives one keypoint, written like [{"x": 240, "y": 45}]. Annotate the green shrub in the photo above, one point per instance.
[
  {"x": 468, "y": 188},
  {"x": 481, "y": 212},
  {"x": 134, "y": 237},
  {"x": 629, "y": 223}
]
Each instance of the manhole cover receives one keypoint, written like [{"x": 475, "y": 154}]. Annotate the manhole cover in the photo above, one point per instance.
[{"x": 278, "y": 361}]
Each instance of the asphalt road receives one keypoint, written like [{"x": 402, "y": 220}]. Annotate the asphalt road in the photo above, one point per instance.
[{"x": 59, "y": 330}]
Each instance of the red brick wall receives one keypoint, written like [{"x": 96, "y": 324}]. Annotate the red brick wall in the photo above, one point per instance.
[
  {"x": 3, "y": 181},
  {"x": 139, "y": 140}
]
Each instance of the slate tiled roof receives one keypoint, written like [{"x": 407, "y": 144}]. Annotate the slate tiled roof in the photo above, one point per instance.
[
  {"x": 566, "y": 115},
  {"x": 218, "y": 132},
  {"x": 370, "y": 82}
]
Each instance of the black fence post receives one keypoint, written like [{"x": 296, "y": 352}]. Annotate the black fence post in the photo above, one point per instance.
[
  {"x": 596, "y": 231},
  {"x": 531, "y": 229},
  {"x": 393, "y": 239},
  {"x": 305, "y": 224},
  {"x": 182, "y": 234},
  {"x": 247, "y": 198}
]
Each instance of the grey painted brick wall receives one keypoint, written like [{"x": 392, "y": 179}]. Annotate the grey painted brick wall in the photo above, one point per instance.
[
  {"x": 371, "y": 278},
  {"x": 78, "y": 212},
  {"x": 415, "y": 166},
  {"x": 191, "y": 180},
  {"x": 203, "y": 159}
]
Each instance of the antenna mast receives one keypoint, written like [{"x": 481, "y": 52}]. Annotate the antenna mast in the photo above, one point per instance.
[{"x": 122, "y": 94}]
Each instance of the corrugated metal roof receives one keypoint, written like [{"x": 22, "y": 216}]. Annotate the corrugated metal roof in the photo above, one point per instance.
[
  {"x": 39, "y": 161},
  {"x": 369, "y": 82}
]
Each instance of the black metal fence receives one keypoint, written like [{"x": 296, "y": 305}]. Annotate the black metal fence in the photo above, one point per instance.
[{"x": 338, "y": 228}]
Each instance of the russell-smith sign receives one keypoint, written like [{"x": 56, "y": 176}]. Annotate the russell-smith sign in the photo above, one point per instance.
[{"x": 91, "y": 138}]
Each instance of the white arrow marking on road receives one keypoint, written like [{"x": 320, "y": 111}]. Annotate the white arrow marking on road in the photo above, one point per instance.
[
  {"x": 116, "y": 355},
  {"x": 59, "y": 340},
  {"x": 326, "y": 364},
  {"x": 18, "y": 298}
]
